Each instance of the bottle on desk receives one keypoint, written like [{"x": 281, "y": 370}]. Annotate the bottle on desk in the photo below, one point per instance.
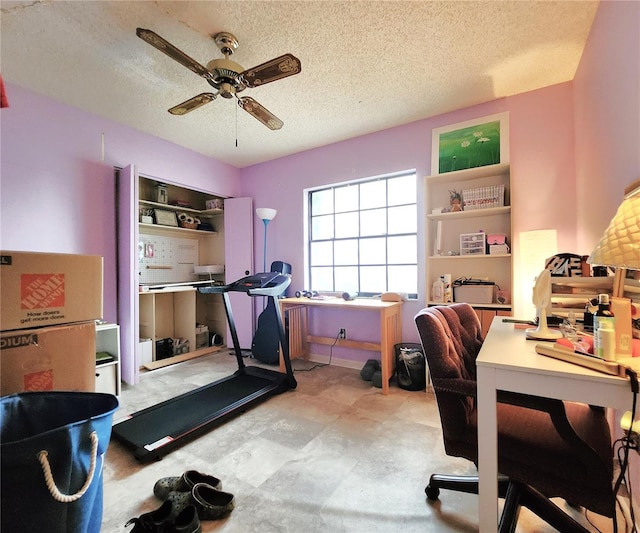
[{"x": 603, "y": 324}]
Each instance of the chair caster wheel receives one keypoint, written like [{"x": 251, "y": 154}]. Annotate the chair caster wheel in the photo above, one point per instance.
[{"x": 432, "y": 493}]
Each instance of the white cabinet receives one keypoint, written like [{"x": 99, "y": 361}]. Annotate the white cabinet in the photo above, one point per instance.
[
  {"x": 443, "y": 230},
  {"x": 108, "y": 373}
]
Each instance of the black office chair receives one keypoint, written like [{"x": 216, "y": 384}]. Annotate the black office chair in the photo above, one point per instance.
[{"x": 546, "y": 448}]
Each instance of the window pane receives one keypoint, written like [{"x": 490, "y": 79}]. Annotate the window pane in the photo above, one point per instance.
[
  {"x": 402, "y": 250},
  {"x": 373, "y": 279},
  {"x": 322, "y": 227},
  {"x": 373, "y": 222},
  {"x": 346, "y": 252},
  {"x": 322, "y": 202},
  {"x": 346, "y": 198},
  {"x": 347, "y": 279},
  {"x": 373, "y": 194},
  {"x": 363, "y": 236},
  {"x": 347, "y": 225},
  {"x": 403, "y": 279},
  {"x": 321, "y": 253},
  {"x": 403, "y": 219},
  {"x": 373, "y": 251},
  {"x": 321, "y": 279},
  {"x": 402, "y": 190}
]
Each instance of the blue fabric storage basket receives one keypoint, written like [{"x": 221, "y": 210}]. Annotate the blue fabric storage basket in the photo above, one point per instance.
[{"x": 52, "y": 447}]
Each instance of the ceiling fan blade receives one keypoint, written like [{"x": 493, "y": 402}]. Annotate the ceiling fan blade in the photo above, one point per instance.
[
  {"x": 174, "y": 53},
  {"x": 276, "y": 69},
  {"x": 260, "y": 112},
  {"x": 192, "y": 103}
]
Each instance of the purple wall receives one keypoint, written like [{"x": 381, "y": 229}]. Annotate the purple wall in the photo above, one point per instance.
[
  {"x": 57, "y": 195},
  {"x": 543, "y": 181},
  {"x": 607, "y": 115}
]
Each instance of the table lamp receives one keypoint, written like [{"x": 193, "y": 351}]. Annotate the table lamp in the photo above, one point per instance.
[
  {"x": 266, "y": 214},
  {"x": 619, "y": 247}
]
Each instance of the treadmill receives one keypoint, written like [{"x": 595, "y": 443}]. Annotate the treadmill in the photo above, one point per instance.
[{"x": 156, "y": 431}]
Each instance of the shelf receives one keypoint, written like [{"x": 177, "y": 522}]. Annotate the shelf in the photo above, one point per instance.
[
  {"x": 469, "y": 174},
  {"x": 447, "y": 229},
  {"x": 475, "y": 213},
  {"x": 108, "y": 372},
  {"x": 160, "y": 363},
  {"x": 467, "y": 257},
  {"x": 200, "y": 212},
  {"x": 175, "y": 229}
]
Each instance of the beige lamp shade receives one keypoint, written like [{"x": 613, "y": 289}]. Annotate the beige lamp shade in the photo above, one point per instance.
[{"x": 620, "y": 245}]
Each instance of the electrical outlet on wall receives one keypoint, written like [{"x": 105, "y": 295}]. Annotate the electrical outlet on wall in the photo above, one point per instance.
[{"x": 342, "y": 334}]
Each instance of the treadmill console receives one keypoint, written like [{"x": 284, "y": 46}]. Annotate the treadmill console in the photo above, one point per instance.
[
  {"x": 255, "y": 281},
  {"x": 261, "y": 284}
]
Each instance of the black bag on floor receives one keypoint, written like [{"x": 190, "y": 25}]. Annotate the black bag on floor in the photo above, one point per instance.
[
  {"x": 52, "y": 447},
  {"x": 411, "y": 367}
]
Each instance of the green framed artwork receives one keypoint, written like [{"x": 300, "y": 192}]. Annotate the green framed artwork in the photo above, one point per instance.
[{"x": 474, "y": 143}]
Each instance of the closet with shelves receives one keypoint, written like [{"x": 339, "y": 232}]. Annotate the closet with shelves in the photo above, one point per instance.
[
  {"x": 168, "y": 255},
  {"x": 486, "y": 192},
  {"x": 157, "y": 256}
]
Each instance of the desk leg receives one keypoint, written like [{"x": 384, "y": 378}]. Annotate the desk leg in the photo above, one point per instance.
[
  {"x": 297, "y": 316},
  {"x": 487, "y": 450},
  {"x": 390, "y": 335}
]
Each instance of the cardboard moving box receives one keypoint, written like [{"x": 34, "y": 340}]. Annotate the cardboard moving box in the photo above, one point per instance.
[
  {"x": 43, "y": 289},
  {"x": 50, "y": 358}
]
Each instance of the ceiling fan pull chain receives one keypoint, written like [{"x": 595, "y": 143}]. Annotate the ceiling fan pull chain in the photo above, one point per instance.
[{"x": 236, "y": 126}]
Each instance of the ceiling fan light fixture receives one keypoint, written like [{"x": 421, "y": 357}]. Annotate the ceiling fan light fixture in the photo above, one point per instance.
[{"x": 227, "y": 90}]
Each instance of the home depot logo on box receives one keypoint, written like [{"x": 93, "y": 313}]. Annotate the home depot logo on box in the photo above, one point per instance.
[{"x": 41, "y": 291}]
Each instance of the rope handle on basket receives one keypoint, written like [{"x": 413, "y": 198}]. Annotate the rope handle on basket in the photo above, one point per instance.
[{"x": 51, "y": 484}]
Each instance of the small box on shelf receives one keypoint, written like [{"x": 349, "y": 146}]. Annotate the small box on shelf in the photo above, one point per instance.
[{"x": 473, "y": 244}]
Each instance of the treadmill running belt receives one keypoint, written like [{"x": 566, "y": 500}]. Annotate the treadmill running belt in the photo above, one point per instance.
[{"x": 184, "y": 413}]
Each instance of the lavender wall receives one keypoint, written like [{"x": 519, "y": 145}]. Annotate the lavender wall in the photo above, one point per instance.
[
  {"x": 543, "y": 181},
  {"x": 607, "y": 116},
  {"x": 58, "y": 195}
]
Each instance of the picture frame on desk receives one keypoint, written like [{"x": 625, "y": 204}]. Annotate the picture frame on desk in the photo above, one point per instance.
[
  {"x": 165, "y": 218},
  {"x": 470, "y": 144}
]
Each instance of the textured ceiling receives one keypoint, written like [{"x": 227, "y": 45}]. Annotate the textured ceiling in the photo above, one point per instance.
[{"x": 366, "y": 65}]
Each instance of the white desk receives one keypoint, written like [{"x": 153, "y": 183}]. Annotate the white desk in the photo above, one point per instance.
[{"x": 509, "y": 362}]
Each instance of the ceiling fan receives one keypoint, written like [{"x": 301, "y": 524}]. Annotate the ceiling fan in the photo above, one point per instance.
[{"x": 227, "y": 76}]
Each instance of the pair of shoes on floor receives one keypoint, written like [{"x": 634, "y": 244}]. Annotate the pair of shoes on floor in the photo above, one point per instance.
[
  {"x": 183, "y": 483},
  {"x": 202, "y": 491},
  {"x": 210, "y": 503},
  {"x": 371, "y": 371},
  {"x": 165, "y": 520},
  {"x": 188, "y": 499}
]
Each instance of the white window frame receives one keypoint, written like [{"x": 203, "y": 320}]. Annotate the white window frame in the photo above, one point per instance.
[{"x": 308, "y": 215}]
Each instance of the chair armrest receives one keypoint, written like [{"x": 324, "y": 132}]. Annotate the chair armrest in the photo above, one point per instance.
[{"x": 459, "y": 386}]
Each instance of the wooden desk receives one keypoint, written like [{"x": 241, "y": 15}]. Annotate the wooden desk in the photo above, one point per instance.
[
  {"x": 390, "y": 329},
  {"x": 509, "y": 362}
]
